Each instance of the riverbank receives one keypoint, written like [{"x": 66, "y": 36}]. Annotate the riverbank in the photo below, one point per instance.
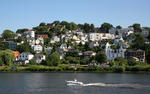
[{"x": 66, "y": 68}]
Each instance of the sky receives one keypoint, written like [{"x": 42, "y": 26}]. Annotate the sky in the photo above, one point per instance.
[{"x": 18, "y": 14}]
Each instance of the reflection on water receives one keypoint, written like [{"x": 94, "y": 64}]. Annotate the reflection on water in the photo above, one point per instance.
[{"x": 54, "y": 83}]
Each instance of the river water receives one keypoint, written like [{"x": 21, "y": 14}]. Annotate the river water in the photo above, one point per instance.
[{"x": 54, "y": 83}]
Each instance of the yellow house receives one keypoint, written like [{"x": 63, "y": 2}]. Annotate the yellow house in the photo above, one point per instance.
[{"x": 75, "y": 37}]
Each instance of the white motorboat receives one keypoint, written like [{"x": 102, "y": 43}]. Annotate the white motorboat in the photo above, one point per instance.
[{"x": 75, "y": 82}]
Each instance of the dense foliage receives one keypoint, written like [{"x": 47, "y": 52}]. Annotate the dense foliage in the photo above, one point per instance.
[{"x": 6, "y": 57}]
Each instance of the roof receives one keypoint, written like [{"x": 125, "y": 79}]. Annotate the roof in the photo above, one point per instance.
[
  {"x": 88, "y": 52},
  {"x": 16, "y": 53},
  {"x": 132, "y": 50},
  {"x": 26, "y": 53}
]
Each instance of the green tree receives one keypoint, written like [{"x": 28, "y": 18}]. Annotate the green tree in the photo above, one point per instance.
[
  {"x": 137, "y": 27},
  {"x": 132, "y": 62},
  {"x": 139, "y": 42},
  {"x": 72, "y": 26},
  {"x": 72, "y": 53},
  {"x": 42, "y": 24},
  {"x": 41, "y": 29},
  {"x": 105, "y": 27},
  {"x": 46, "y": 41},
  {"x": 81, "y": 26},
  {"x": 19, "y": 39},
  {"x": 56, "y": 22},
  {"x": 32, "y": 62},
  {"x": 22, "y": 30},
  {"x": 118, "y": 27},
  {"x": 6, "y": 57},
  {"x": 3, "y": 46},
  {"x": 101, "y": 58},
  {"x": 53, "y": 59},
  {"x": 64, "y": 23},
  {"x": 92, "y": 27},
  {"x": 24, "y": 47},
  {"x": 72, "y": 60},
  {"x": 86, "y": 28},
  {"x": 120, "y": 61},
  {"x": 8, "y": 34}
]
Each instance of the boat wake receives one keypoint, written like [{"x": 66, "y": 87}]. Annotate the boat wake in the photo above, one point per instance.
[
  {"x": 117, "y": 85},
  {"x": 77, "y": 83}
]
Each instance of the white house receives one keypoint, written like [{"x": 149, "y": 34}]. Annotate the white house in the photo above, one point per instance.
[
  {"x": 39, "y": 41},
  {"x": 83, "y": 38},
  {"x": 94, "y": 36},
  {"x": 100, "y": 36},
  {"x": 122, "y": 32},
  {"x": 24, "y": 57},
  {"x": 32, "y": 34},
  {"x": 113, "y": 53},
  {"x": 37, "y": 48},
  {"x": 55, "y": 39},
  {"x": 39, "y": 58},
  {"x": 118, "y": 39},
  {"x": 29, "y": 34},
  {"x": 93, "y": 44},
  {"x": 62, "y": 48}
]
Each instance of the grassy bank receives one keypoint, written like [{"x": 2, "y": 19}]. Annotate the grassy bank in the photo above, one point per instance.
[{"x": 66, "y": 68}]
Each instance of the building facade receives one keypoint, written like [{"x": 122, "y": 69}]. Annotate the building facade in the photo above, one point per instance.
[
  {"x": 138, "y": 54},
  {"x": 113, "y": 53}
]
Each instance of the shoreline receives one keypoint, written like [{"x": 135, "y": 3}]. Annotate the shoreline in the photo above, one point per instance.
[
  {"x": 126, "y": 72},
  {"x": 70, "y": 69}
]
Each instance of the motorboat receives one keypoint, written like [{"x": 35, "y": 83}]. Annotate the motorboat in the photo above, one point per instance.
[{"x": 75, "y": 82}]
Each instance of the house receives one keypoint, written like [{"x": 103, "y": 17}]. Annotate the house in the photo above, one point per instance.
[
  {"x": 88, "y": 54},
  {"x": 129, "y": 32},
  {"x": 37, "y": 48},
  {"x": 62, "y": 48},
  {"x": 94, "y": 36},
  {"x": 39, "y": 58},
  {"x": 12, "y": 45},
  {"x": 145, "y": 32},
  {"x": 31, "y": 41},
  {"x": 122, "y": 32},
  {"x": 16, "y": 54},
  {"x": 48, "y": 50},
  {"x": 106, "y": 36},
  {"x": 112, "y": 30},
  {"x": 29, "y": 34},
  {"x": 100, "y": 36},
  {"x": 118, "y": 39},
  {"x": 44, "y": 36},
  {"x": 75, "y": 38},
  {"x": 39, "y": 40},
  {"x": 113, "y": 53},
  {"x": 83, "y": 38},
  {"x": 139, "y": 54},
  {"x": 93, "y": 44},
  {"x": 24, "y": 58},
  {"x": 55, "y": 39}
]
